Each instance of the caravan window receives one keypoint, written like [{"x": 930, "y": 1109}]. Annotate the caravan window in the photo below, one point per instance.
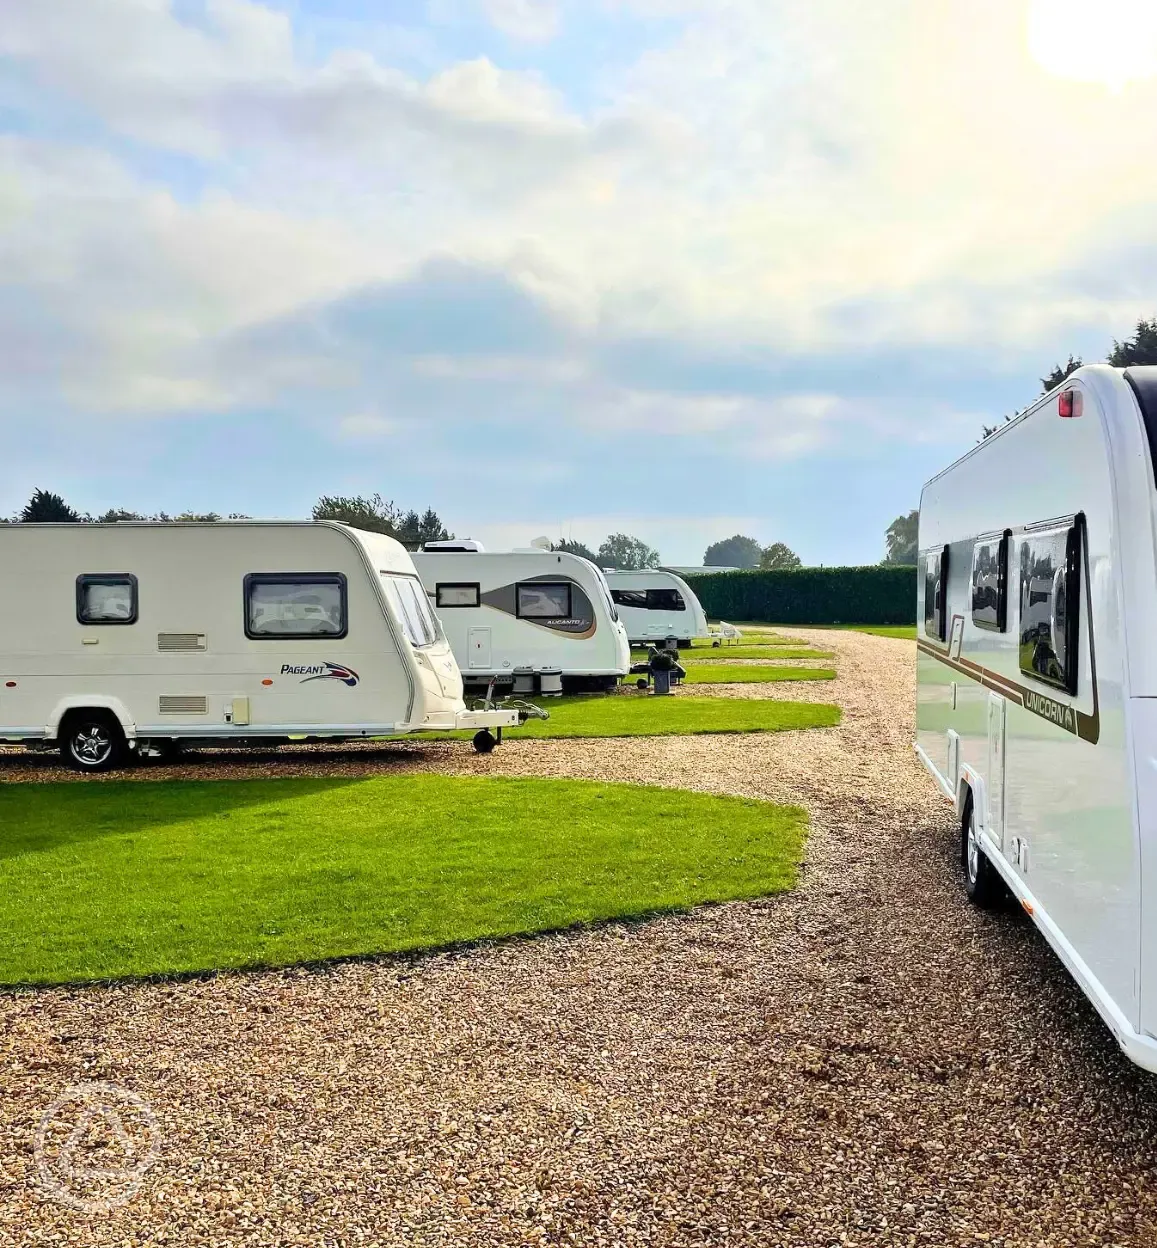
[
  {"x": 665, "y": 600},
  {"x": 409, "y": 600},
  {"x": 542, "y": 600},
  {"x": 1049, "y": 605},
  {"x": 295, "y": 605},
  {"x": 106, "y": 598},
  {"x": 990, "y": 584},
  {"x": 935, "y": 569},
  {"x": 630, "y": 598},
  {"x": 458, "y": 595}
]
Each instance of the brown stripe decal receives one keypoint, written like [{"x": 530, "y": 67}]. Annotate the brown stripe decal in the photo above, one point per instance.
[{"x": 1079, "y": 723}]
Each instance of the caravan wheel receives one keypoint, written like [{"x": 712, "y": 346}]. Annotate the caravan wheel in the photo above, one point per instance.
[
  {"x": 982, "y": 882},
  {"x": 92, "y": 741},
  {"x": 484, "y": 741}
]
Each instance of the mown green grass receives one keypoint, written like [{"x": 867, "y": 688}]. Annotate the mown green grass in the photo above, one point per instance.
[
  {"x": 905, "y": 631},
  {"x": 121, "y": 879},
  {"x": 628, "y": 715},
  {"x": 753, "y": 652},
  {"x": 722, "y": 674}
]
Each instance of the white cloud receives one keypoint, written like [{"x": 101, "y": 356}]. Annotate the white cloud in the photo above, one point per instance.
[
  {"x": 797, "y": 178},
  {"x": 531, "y": 20}
]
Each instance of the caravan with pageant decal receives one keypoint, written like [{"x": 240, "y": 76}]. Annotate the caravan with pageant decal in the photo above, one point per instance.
[
  {"x": 142, "y": 638},
  {"x": 1037, "y": 678}
]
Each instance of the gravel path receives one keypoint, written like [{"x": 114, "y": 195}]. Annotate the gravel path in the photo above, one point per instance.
[{"x": 867, "y": 1061}]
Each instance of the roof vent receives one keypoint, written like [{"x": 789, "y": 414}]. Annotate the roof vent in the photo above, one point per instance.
[{"x": 455, "y": 543}]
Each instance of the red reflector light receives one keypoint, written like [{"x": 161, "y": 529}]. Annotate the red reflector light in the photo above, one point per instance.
[{"x": 1070, "y": 403}]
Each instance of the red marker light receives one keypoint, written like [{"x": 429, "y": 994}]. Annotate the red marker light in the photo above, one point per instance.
[
  {"x": 267, "y": 682},
  {"x": 1070, "y": 403},
  {"x": 9, "y": 684}
]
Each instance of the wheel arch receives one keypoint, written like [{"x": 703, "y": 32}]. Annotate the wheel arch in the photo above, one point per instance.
[
  {"x": 970, "y": 790},
  {"x": 91, "y": 702}
]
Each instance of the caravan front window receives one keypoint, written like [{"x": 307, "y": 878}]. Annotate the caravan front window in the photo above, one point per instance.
[
  {"x": 409, "y": 601},
  {"x": 1049, "y": 605},
  {"x": 295, "y": 605}
]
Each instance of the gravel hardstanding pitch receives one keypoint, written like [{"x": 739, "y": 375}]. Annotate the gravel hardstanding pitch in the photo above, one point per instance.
[{"x": 867, "y": 1061}]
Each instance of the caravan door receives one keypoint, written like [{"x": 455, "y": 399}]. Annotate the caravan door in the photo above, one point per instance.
[{"x": 478, "y": 647}]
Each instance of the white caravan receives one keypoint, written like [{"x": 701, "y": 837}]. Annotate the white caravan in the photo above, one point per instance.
[
  {"x": 539, "y": 619},
  {"x": 140, "y": 637},
  {"x": 657, "y": 605},
  {"x": 1037, "y": 678}
]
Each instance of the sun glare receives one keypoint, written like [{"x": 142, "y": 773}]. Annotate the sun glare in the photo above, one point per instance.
[{"x": 1110, "y": 42}]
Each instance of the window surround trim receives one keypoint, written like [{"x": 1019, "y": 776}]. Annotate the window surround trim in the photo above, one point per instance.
[
  {"x": 86, "y": 579},
  {"x": 300, "y": 578}
]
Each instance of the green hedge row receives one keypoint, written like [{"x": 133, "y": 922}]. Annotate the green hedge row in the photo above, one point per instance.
[{"x": 875, "y": 595}]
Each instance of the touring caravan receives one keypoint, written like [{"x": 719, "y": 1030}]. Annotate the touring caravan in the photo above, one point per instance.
[
  {"x": 539, "y": 620},
  {"x": 117, "y": 638},
  {"x": 656, "y": 605},
  {"x": 1037, "y": 678}
]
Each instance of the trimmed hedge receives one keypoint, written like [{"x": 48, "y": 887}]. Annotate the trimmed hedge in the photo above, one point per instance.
[{"x": 881, "y": 594}]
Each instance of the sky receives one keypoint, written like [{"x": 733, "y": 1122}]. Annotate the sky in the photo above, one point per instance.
[{"x": 679, "y": 268}]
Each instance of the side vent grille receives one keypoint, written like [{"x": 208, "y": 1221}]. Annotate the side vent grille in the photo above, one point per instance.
[
  {"x": 180, "y": 641},
  {"x": 181, "y": 704}
]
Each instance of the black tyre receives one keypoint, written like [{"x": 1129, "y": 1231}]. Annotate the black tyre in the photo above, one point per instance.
[
  {"x": 982, "y": 882},
  {"x": 641, "y": 683},
  {"x": 484, "y": 741},
  {"x": 92, "y": 741}
]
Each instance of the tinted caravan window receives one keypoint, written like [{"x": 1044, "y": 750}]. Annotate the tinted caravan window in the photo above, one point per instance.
[
  {"x": 630, "y": 598},
  {"x": 1050, "y": 575},
  {"x": 990, "y": 584},
  {"x": 665, "y": 600},
  {"x": 934, "y": 566}
]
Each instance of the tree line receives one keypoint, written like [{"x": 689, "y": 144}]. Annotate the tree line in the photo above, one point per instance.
[
  {"x": 618, "y": 551},
  {"x": 374, "y": 514},
  {"x": 1140, "y": 349},
  {"x": 901, "y": 538}
]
